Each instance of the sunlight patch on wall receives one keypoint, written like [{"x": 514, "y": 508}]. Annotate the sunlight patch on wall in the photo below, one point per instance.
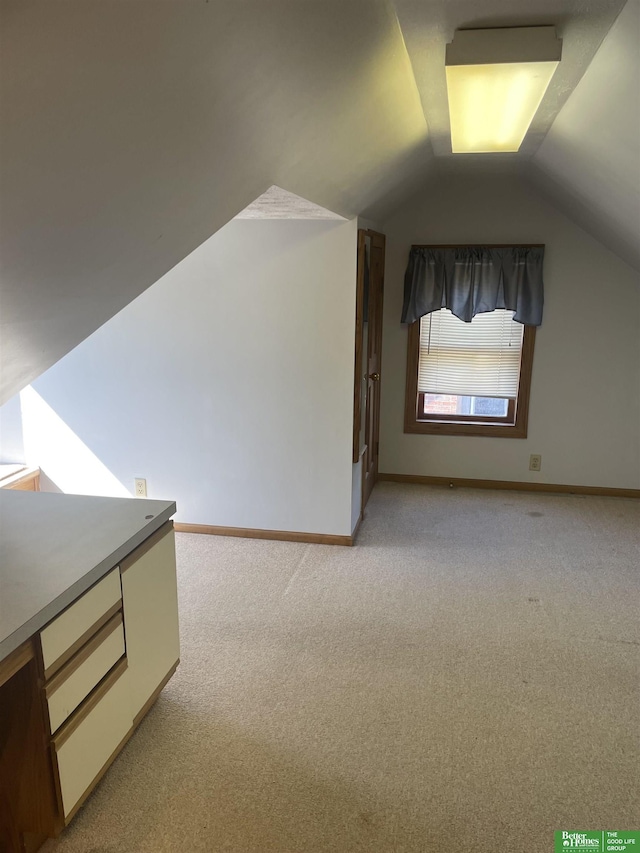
[
  {"x": 66, "y": 460},
  {"x": 277, "y": 203}
]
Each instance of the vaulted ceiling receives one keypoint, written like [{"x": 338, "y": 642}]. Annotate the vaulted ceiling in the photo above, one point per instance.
[{"x": 132, "y": 131}]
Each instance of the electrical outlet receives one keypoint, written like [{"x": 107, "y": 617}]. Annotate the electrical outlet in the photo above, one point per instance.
[
  {"x": 535, "y": 462},
  {"x": 140, "y": 488}
]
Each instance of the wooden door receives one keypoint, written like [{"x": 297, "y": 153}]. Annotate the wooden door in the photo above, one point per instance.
[{"x": 371, "y": 249}]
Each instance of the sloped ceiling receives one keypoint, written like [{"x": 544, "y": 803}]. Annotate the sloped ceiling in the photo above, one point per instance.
[
  {"x": 589, "y": 162},
  {"x": 428, "y": 26},
  {"x": 132, "y": 131}
]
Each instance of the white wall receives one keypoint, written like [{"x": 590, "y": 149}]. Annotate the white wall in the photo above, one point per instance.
[
  {"x": 585, "y": 396},
  {"x": 11, "y": 441},
  {"x": 228, "y": 385}
]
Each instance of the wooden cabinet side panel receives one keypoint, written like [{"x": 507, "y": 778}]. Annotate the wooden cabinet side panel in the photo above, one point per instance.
[
  {"x": 27, "y": 793},
  {"x": 150, "y": 604}
]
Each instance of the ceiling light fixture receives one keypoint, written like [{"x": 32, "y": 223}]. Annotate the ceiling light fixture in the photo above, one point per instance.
[{"x": 496, "y": 80}]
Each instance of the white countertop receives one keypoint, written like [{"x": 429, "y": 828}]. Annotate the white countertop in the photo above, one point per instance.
[{"x": 53, "y": 547}]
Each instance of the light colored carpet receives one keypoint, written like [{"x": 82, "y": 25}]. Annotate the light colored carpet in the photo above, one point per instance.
[{"x": 465, "y": 678}]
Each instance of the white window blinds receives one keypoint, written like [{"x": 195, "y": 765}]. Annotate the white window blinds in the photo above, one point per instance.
[{"x": 476, "y": 359}]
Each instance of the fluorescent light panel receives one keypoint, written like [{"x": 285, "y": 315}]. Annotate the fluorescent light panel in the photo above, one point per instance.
[{"x": 496, "y": 80}]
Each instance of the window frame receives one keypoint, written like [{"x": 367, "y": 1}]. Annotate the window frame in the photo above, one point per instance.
[
  {"x": 452, "y": 425},
  {"x": 507, "y": 419}
]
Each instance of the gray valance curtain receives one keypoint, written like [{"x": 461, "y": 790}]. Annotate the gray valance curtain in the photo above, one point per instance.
[{"x": 470, "y": 280}]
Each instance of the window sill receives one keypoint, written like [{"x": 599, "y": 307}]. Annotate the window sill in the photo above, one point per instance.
[{"x": 471, "y": 429}]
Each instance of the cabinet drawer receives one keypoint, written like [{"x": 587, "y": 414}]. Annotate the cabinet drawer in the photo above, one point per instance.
[
  {"x": 85, "y": 749},
  {"x": 61, "y": 639},
  {"x": 79, "y": 676}
]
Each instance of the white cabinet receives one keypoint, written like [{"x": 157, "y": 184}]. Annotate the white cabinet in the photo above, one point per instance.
[
  {"x": 86, "y": 749},
  {"x": 62, "y": 638},
  {"x": 105, "y": 660},
  {"x": 150, "y": 605},
  {"x": 73, "y": 683}
]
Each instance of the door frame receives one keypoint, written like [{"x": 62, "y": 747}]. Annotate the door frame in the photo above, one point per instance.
[{"x": 359, "y": 453}]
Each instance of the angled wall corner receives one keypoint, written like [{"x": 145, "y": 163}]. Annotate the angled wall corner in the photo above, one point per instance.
[{"x": 228, "y": 384}]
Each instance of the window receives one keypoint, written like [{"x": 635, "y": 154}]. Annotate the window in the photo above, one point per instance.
[{"x": 469, "y": 378}]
